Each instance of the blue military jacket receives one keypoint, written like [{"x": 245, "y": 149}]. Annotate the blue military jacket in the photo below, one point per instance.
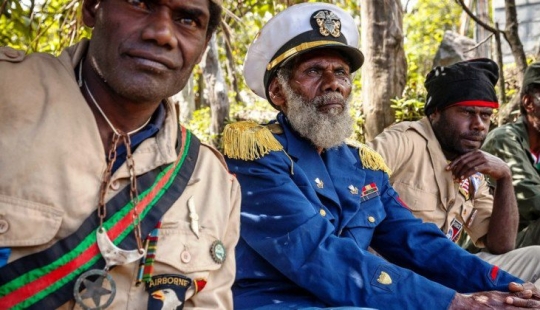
[{"x": 307, "y": 221}]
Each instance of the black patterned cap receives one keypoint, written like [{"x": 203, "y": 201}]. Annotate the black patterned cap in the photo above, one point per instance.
[{"x": 470, "y": 82}]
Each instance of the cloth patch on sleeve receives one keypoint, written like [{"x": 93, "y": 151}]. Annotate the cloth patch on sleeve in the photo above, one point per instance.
[
  {"x": 167, "y": 291},
  {"x": 455, "y": 230}
]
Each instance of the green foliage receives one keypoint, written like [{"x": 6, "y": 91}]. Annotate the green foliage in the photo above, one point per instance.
[
  {"x": 200, "y": 124},
  {"x": 40, "y": 25},
  {"x": 410, "y": 107},
  {"x": 424, "y": 29}
]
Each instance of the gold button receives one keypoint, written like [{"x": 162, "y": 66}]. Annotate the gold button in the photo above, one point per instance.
[
  {"x": 371, "y": 219},
  {"x": 322, "y": 212},
  {"x": 4, "y": 226}
]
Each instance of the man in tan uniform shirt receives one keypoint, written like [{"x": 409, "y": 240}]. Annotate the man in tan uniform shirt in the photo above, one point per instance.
[
  {"x": 92, "y": 153},
  {"x": 440, "y": 173}
]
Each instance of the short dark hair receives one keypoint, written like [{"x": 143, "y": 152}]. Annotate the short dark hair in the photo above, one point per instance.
[
  {"x": 530, "y": 90},
  {"x": 215, "y": 18}
]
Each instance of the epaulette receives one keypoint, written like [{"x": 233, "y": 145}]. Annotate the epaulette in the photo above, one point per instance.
[
  {"x": 369, "y": 157},
  {"x": 249, "y": 141},
  {"x": 10, "y": 54}
]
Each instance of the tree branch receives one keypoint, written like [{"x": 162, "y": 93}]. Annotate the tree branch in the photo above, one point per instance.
[
  {"x": 475, "y": 18},
  {"x": 480, "y": 43},
  {"x": 3, "y": 7}
]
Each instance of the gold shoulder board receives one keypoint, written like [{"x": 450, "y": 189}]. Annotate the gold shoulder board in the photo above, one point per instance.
[
  {"x": 249, "y": 141},
  {"x": 369, "y": 157}
]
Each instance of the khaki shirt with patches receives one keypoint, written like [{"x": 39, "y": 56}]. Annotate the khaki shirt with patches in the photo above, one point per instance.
[
  {"x": 52, "y": 161},
  {"x": 415, "y": 157}
]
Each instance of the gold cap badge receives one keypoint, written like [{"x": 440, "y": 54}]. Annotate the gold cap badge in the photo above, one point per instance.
[{"x": 328, "y": 22}]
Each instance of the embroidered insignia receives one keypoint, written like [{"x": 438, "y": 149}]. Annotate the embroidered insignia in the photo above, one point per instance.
[
  {"x": 369, "y": 191},
  {"x": 217, "y": 250},
  {"x": 384, "y": 278},
  {"x": 199, "y": 285},
  {"x": 353, "y": 189},
  {"x": 94, "y": 289},
  {"x": 455, "y": 230},
  {"x": 320, "y": 184},
  {"x": 494, "y": 273},
  {"x": 167, "y": 291},
  {"x": 328, "y": 22},
  {"x": 464, "y": 188}
]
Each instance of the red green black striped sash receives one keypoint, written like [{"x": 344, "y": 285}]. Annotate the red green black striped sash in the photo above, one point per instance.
[{"x": 45, "y": 280}]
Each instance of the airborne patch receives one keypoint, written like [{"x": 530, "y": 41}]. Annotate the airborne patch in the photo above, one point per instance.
[{"x": 167, "y": 291}]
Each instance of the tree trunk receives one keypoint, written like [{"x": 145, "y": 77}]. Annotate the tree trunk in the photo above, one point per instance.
[
  {"x": 384, "y": 71},
  {"x": 216, "y": 89},
  {"x": 512, "y": 36},
  {"x": 231, "y": 64},
  {"x": 482, "y": 34},
  {"x": 185, "y": 101}
]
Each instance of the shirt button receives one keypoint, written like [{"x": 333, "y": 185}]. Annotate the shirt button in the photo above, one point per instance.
[
  {"x": 115, "y": 185},
  {"x": 371, "y": 219},
  {"x": 11, "y": 53},
  {"x": 322, "y": 212},
  {"x": 4, "y": 226},
  {"x": 185, "y": 256}
]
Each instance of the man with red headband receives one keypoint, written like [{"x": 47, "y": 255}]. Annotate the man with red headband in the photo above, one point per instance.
[{"x": 441, "y": 174}]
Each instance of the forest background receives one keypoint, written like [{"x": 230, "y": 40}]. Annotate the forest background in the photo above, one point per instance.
[{"x": 398, "y": 37}]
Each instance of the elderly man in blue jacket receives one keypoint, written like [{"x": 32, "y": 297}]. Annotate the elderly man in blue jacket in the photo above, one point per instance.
[{"x": 312, "y": 204}]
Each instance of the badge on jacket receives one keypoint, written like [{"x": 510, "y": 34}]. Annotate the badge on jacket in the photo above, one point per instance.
[
  {"x": 167, "y": 291},
  {"x": 369, "y": 191},
  {"x": 455, "y": 230},
  {"x": 468, "y": 186}
]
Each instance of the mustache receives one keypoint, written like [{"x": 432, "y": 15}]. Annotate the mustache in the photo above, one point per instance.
[
  {"x": 330, "y": 97},
  {"x": 474, "y": 135}
]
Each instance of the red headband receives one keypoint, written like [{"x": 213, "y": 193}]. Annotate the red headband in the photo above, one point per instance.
[{"x": 476, "y": 103}]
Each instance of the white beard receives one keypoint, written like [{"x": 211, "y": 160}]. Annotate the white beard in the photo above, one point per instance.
[{"x": 324, "y": 130}]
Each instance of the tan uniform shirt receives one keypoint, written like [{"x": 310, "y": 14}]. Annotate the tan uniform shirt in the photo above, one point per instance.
[
  {"x": 415, "y": 157},
  {"x": 52, "y": 161}
]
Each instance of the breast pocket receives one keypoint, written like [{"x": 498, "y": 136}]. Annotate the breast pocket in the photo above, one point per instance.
[
  {"x": 25, "y": 223},
  {"x": 363, "y": 223},
  {"x": 422, "y": 203},
  {"x": 179, "y": 251}
]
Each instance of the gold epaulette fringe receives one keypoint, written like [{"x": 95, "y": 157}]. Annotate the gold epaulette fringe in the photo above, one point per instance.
[
  {"x": 373, "y": 160},
  {"x": 370, "y": 158},
  {"x": 248, "y": 141}
]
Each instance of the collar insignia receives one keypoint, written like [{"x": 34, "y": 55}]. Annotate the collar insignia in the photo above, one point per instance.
[
  {"x": 328, "y": 22},
  {"x": 320, "y": 184}
]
